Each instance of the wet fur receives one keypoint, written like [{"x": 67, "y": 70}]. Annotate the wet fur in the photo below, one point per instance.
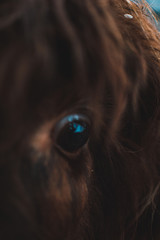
[{"x": 62, "y": 57}]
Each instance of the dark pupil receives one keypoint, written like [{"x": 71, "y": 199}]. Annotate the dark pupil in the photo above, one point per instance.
[{"x": 73, "y": 136}]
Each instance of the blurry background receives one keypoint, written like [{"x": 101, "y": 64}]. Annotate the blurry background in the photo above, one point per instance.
[{"x": 155, "y": 4}]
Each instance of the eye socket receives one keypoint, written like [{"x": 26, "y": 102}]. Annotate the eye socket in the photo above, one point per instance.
[{"x": 72, "y": 132}]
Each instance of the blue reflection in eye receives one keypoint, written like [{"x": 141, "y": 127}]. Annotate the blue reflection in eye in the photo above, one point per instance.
[
  {"x": 72, "y": 118},
  {"x": 78, "y": 128},
  {"x": 72, "y": 132}
]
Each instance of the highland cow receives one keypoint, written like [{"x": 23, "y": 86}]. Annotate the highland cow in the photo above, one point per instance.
[{"x": 80, "y": 120}]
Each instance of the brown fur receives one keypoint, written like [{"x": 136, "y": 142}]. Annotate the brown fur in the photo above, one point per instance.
[{"x": 60, "y": 57}]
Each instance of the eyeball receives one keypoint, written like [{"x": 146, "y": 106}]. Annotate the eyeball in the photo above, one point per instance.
[{"x": 72, "y": 132}]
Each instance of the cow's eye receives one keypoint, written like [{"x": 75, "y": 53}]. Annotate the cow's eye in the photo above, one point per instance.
[{"x": 72, "y": 132}]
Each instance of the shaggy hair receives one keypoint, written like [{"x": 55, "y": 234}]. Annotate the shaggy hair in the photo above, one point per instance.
[{"x": 59, "y": 58}]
